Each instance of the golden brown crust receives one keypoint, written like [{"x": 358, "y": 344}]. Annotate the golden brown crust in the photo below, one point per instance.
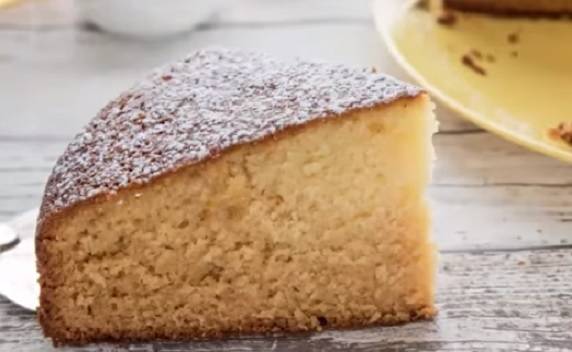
[{"x": 254, "y": 327}]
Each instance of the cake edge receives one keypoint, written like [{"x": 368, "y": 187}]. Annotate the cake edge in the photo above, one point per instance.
[
  {"x": 167, "y": 118},
  {"x": 46, "y": 212},
  {"x": 271, "y": 329},
  {"x": 49, "y": 219},
  {"x": 507, "y": 12}
]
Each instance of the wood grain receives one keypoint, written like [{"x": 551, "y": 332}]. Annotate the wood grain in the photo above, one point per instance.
[
  {"x": 93, "y": 67},
  {"x": 502, "y": 214},
  {"x": 506, "y": 197},
  {"x": 488, "y": 301}
]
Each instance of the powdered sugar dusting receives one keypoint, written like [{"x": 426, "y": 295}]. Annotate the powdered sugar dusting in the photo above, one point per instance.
[{"x": 191, "y": 110}]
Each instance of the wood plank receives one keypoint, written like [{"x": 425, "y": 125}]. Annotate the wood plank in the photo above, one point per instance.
[
  {"x": 509, "y": 217},
  {"x": 488, "y": 301},
  {"x": 62, "y": 56},
  {"x": 449, "y": 121},
  {"x": 479, "y": 158},
  {"x": 487, "y": 194},
  {"x": 91, "y": 68},
  {"x": 498, "y": 162},
  {"x": 24, "y": 167},
  {"x": 492, "y": 217},
  {"x": 507, "y": 197}
]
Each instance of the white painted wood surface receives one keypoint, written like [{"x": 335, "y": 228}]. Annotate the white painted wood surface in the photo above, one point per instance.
[{"x": 502, "y": 214}]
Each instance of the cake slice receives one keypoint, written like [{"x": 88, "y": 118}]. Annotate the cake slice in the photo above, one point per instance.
[
  {"x": 235, "y": 193},
  {"x": 512, "y": 7}
]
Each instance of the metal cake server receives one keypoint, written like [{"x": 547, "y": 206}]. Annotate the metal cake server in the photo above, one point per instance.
[
  {"x": 8, "y": 237},
  {"x": 18, "y": 276}
]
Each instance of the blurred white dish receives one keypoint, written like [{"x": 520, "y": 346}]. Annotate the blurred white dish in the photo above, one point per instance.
[{"x": 147, "y": 18}]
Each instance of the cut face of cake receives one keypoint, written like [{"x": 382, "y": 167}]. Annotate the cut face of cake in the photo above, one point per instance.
[
  {"x": 512, "y": 7},
  {"x": 235, "y": 193}
]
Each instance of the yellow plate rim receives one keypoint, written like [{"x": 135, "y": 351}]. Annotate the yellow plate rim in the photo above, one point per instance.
[{"x": 477, "y": 118}]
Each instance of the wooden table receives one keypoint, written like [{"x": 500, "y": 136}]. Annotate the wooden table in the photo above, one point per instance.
[{"x": 502, "y": 214}]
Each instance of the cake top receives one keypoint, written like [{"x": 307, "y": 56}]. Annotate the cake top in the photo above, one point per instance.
[{"x": 192, "y": 110}]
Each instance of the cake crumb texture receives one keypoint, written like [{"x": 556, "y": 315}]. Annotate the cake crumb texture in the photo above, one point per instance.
[{"x": 323, "y": 226}]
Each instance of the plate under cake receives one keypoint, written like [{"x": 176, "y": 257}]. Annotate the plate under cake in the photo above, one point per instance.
[{"x": 231, "y": 193}]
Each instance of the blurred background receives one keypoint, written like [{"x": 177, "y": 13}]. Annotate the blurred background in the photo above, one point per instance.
[{"x": 71, "y": 57}]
